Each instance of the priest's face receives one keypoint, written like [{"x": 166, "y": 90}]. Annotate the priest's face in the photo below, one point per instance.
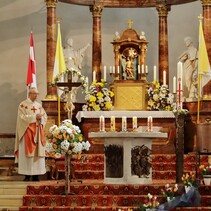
[{"x": 33, "y": 94}]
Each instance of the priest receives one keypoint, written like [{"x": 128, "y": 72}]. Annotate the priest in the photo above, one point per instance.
[{"x": 30, "y": 140}]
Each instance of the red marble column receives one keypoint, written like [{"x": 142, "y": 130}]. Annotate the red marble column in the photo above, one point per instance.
[
  {"x": 163, "y": 9},
  {"x": 96, "y": 46},
  {"x": 51, "y": 46},
  {"x": 206, "y": 4}
]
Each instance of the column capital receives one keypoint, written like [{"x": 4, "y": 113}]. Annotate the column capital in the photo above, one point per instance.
[
  {"x": 162, "y": 8},
  {"x": 96, "y": 10},
  {"x": 206, "y": 2},
  {"x": 51, "y": 3}
]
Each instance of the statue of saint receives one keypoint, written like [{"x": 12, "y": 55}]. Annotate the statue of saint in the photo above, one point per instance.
[
  {"x": 73, "y": 59},
  {"x": 190, "y": 60}
]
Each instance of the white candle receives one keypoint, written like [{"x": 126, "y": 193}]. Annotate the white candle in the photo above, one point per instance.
[
  {"x": 124, "y": 123},
  {"x": 139, "y": 69},
  {"x": 110, "y": 70},
  {"x": 134, "y": 122},
  {"x": 155, "y": 74},
  {"x": 174, "y": 85},
  {"x": 102, "y": 123},
  {"x": 113, "y": 70},
  {"x": 94, "y": 76},
  {"x": 117, "y": 69},
  {"x": 113, "y": 126},
  {"x": 146, "y": 69},
  {"x": 164, "y": 78},
  {"x": 104, "y": 72},
  {"x": 142, "y": 68}
]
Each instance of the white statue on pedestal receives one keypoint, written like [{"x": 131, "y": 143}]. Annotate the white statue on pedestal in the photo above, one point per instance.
[
  {"x": 190, "y": 60},
  {"x": 73, "y": 59}
]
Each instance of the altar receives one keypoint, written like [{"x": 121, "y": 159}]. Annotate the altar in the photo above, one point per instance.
[
  {"x": 89, "y": 122},
  {"x": 127, "y": 155}
]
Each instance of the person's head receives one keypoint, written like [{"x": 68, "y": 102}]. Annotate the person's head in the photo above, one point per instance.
[
  {"x": 33, "y": 94},
  {"x": 188, "y": 41}
]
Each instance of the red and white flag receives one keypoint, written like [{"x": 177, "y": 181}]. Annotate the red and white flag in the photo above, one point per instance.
[{"x": 31, "y": 75}]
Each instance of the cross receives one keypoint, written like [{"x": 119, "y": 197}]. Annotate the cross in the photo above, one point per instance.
[
  {"x": 33, "y": 109},
  {"x": 69, "y": 84},
  {"x": 130, "y": 22}
]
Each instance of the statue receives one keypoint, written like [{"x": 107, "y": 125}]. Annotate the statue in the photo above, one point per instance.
[
  {"x": 129, "y": 57},
  {"x": 189, "y": 58},
  {"x": 73, "y": 59},
  {"x": 142, "y": 36}
]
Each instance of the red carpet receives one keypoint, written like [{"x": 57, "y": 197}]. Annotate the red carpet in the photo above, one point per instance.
[{"x": 92, "y": 194}]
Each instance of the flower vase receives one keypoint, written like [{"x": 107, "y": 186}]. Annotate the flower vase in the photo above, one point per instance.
[
  {"x": 207, "y": 179},
  {"x": 187, "y": 188},
  {"x": 170, "y": 199}
]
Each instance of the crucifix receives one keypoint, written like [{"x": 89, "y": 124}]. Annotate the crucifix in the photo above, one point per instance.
[{"x": 68, "y": 92}]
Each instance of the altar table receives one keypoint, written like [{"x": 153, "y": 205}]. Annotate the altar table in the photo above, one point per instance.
[{"x": 123, "y": 145}]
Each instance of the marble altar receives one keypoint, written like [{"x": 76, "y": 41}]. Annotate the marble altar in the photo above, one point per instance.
[{"x": 118, "y": 166}]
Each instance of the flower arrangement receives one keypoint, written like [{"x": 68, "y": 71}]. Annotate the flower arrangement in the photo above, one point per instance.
[
  {"x": 159, "y": 98},
  {"x": 150, "y": 202},
  {"x": 81, "y": 78},
  {"x": 189, "y": 179},
  {"x": 98, "y": 98},
  {"x": 170, "y": 191},
  {"x": 204, "y": 170},
  {"x": 65, "y": 139}
]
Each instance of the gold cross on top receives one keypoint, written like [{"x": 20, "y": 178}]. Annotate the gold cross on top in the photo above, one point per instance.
[
  {"x": 200, "y": 17},
  {"x": 130, "y": 22}
]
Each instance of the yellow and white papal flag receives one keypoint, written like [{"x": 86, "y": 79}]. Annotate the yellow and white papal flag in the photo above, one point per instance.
[
  {"x": 204, "y": 71},
  {"x": 59, "y": 63}
]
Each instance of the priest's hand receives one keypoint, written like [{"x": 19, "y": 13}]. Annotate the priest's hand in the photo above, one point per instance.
[{"x": 38, "y": 116}]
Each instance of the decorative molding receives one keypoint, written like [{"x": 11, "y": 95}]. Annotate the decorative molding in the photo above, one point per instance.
[
  {"x": 96, "y": 10},
  {"x": 51, "y": 3},
  {"x": 163, "y": 9},
  {"x": 206, "y": 2}
]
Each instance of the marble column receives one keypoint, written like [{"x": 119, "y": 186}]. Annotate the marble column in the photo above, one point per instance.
[
  {"x": 163, "y": 9},
  {"x": 96, "y": 40},
  {"x": 51, "y": 46},
  {"x": 206, "y": 5}
]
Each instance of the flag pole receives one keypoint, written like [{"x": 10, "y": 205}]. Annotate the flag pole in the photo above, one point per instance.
[{"x": 199, "y": 93}]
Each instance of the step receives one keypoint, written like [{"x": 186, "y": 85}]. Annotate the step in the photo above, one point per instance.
[
  {"x": 8, "y": 208},
  {"x": 11, "y": 200}
]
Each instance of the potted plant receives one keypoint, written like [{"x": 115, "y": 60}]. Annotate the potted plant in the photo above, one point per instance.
[
  {"x": 205, "y": 173},
  {"x": 150, "y": 204},
  {"x": 170, "y": 191},
  {"x": 189, "y": 180}
]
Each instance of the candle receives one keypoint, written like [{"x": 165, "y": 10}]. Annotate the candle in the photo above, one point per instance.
[
  {"x": 102, "y": 123},
  {"x": 164, "y": 78},
  {"x": 117, "y": 69},
  {"x": 94, "y": 76},
  {"x": 142, "y": 68},
  {"x": 149, "y": 123},
  {"x": 134, "y": 123},
  {"x": 104, "y": 72},
  {"x": 174, "y": 85},
  {"x": 146, "y": 69},
  {"x": 113, "y": 70},
  {"x": 155, "y": 74},
  {"x": 139, "y": 69},
  {"x": 110, "y": 70},
  {"x": 58, "y": 98},
  {"x": 124, "y": 123},
  {"x": 113, "y": 127}
]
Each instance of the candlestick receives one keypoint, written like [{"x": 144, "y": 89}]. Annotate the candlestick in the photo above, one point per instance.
[
  {"x": 87, "y": 82},
  {"x": 113, "y": 126},
  {"x": 155, "y": 74},
  {"x": 124, "y": 123},
  {"x": 104, "y": 72},
  {"x": 102, "y": 123},
  {"x": 164, "y": 78},
  {"x": 174, "y": 84},
  {"x": 134, "y": 123},
  {"x": 149, "y": 124},
  {"x": 94, "y": 76},
  {"x": 142, "y": 68}
]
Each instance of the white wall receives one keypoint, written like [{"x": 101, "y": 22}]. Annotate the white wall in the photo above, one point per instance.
[{"x": 18, "y": 17}]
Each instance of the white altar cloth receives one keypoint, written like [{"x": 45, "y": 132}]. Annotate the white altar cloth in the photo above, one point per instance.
[
  {"x": 128, "y": 140},
  {"x": 128, "y": 114}
]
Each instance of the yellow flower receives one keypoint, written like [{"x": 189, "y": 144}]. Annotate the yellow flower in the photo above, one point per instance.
[
  {"x": 100, "y": 95},
  {"x": 80, "y": 138},
  {"x": 108, "y": 105},
  {"x": 92, "y": 98}
]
